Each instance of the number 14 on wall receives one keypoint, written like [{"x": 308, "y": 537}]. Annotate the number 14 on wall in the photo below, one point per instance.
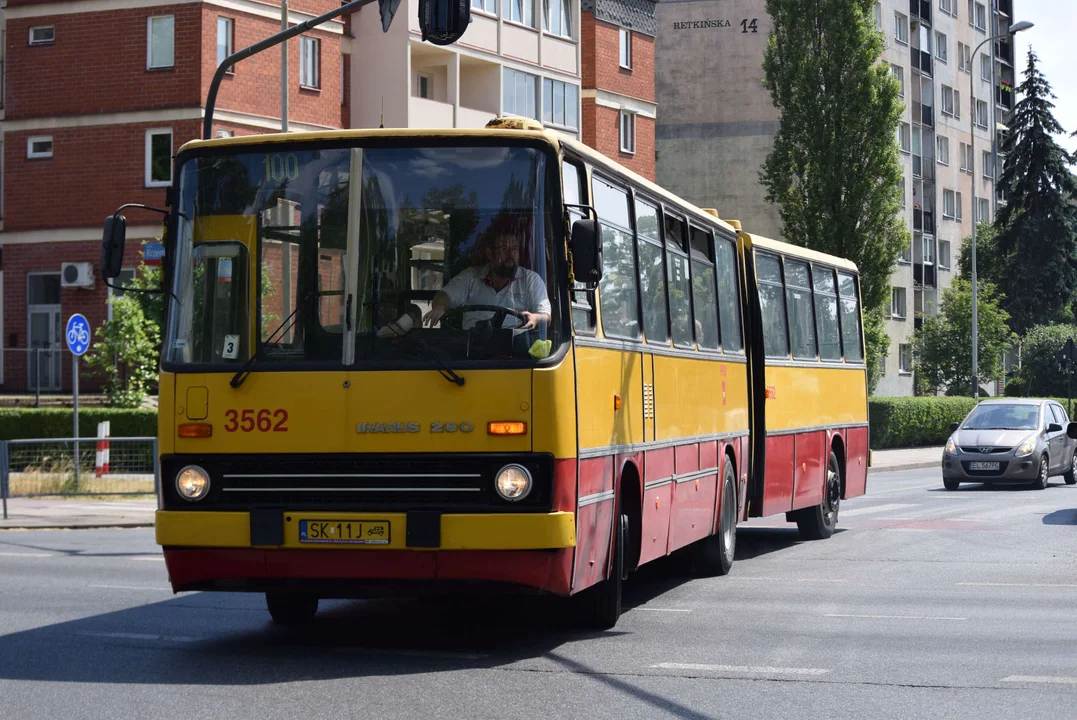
[{"x": 747, "y": 26}]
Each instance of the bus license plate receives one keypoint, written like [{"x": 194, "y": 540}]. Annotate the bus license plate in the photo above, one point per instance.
[
  {"x": 983, "y": 466},
  {"x": 347, "y": 532}
]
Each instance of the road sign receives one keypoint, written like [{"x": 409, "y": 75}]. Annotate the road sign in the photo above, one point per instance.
[
  {"x": 1070, "y": 351},
  {"x": 78, "y": 334},
  {"x": 153, "y": 253}
]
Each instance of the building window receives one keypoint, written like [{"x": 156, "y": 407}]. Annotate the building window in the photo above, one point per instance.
[
  {"x": 903, "y": 137},
  {"x": 944, "y": 150},
  {"x": 980, "y": 15},
  {"x": 489, "y": 6},
  {"x": 905, "y": 358},
  {"x": 983, "y": 212},
  {"x": 897, "y": 303},
  {"x": 940, "y": 47},
  {"x": 878, "y": 12},
  {"x": 39, "y": 146},
  {"x": 981, "y": 113},
  {"x": 985, "y": 67},
  {"x": 947, "y": 100},
  {"x": 160, "y": 45},
  {"x": 555, "y": 17},
  {"x": 929, "y": 251},
  {"x": 519, "y": 11},
  {"x": 519, "y": 94},
  {"x": 159, "y": 157},
  {"x": 422, "y": 85},
  {"x": 225, "y": 134},
  {"x": 906, "y": 255},
  {"x": 966, "y": 157},
  {"x": 964, "y": 58},
  {"x": 560, "y": 104},
  {"x": 42, "y": 35},
  {"x": 625, "y": 43},
  {"x": 225, "y": 35},
  {"x": 628, "y": 131},
  {"x": 948, "y": 6},
  {"x": 899, "y": 74},
  {"x": 309, "y": 62},
  {"x": 951, "y": 204},
  {"x": 901, "y": 28},
  {"x": 944, "y": 254},
  {"x": 988, "y": 165}
]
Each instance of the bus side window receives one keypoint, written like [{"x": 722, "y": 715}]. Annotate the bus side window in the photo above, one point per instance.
[
  {"x": 680, "y": 298},
  {"x": 799, "y": 303},
  {"x": 850, "y": 317},
  {"x": 582, "y": 299},
  {"x": 728, "y": 297},
  {"x": 704, "y": 295},
  {"x": 826, "y": 313},
  {"x": 768, "y": 270},
  {"x": 652, "y": 273},
  {"x": 617, "y": 289}
]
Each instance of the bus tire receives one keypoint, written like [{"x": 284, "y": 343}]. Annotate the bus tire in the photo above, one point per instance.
[
  {"x": 291, "y": 608},
  {"x": 819, "y": 522},
  {"x": 716, "y": 552},
  {"x": 600, "y": 606}
]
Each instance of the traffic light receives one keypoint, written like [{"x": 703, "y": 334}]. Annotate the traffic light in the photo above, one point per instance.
[
  {"x": 443, "y": 22},
  {"x": 388, "y": 10}
]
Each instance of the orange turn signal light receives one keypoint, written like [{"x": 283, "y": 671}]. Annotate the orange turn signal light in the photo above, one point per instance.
[
  {"x": 507, "y": 428},
  {"x": 195, "y": 430}
]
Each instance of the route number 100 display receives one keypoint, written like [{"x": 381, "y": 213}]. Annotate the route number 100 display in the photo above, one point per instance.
[{"x": 282, "y": 166}]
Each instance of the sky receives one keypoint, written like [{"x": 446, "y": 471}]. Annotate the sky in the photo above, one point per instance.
[{"x": 1054, "y": 39}]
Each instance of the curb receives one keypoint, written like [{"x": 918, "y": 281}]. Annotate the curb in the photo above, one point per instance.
[
  {"x": 900, "y": 468},
  {"x": 70, "y": 526}
]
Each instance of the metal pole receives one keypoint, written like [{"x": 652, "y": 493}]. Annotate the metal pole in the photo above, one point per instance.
[
  {"x": 972, "y": 169},
  {"x": 3, "y": 475},
  {"x": 156, "y": 470},
  {"x": 75, "y": 414},
  {"x": 37, "y": 385},
  {"x": 284, "y": 69}
]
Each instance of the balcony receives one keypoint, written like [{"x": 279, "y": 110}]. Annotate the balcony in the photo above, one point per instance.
[
  {"x": 921, "y": 61},
  {"x": 425, "y": 113},
  {"x": 468, "y": 118},
  {"x": 921, "y": 9}
]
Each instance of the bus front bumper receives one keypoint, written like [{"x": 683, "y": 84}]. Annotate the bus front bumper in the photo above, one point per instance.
[{"x": 214, "y": 551}]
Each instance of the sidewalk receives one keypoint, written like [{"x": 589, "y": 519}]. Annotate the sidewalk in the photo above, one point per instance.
[
  {"x": 905, "y": 459},
  {"x": 83, "y": 513}
]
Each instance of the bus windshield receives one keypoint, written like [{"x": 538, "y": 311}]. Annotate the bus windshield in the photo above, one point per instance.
[{"x": 435, "y": 254}]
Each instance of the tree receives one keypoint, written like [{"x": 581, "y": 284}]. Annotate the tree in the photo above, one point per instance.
[
  {"x": 942, "y": 347},
  {"x": 126, "y": 352},
  {"x": 1042, "y": 370},
  {"x": 834, "y": 171},
  {"x": 1038, "y": 224},
  {"x": 989, "y": 263}
]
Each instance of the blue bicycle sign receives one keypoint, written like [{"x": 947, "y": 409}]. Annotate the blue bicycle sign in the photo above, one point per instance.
[{"x": 78, "y": 334}]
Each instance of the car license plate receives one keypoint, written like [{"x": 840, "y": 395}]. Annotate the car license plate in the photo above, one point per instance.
[
  {"x": 345, "y": 532},
  {"x": 983, "y": 466}
]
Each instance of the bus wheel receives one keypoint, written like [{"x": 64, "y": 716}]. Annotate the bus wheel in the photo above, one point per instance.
[
  {"x": 818, "y": 523},
  {"x": 600, "y": 606},
  {"x": 715, "y": 556},
  {"x": 291, "y": 609}
]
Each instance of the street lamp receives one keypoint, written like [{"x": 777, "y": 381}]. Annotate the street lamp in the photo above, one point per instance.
[{"x": 1015, "y": 28}]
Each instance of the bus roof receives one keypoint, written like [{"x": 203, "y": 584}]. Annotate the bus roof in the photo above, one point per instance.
[{"x": 799, "y": 252}]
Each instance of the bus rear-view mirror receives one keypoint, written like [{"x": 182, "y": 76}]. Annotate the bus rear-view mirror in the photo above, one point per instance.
[
  {"x": 586, "y": 252},
  {"x": 112, "y": 243}
]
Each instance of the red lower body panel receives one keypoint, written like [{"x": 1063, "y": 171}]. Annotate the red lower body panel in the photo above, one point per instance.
[
  {"x": 809, "y": 469},
  {"x": 778, "y": 490},
  {"x": 856, "y": 461},
  {"x": 547, "y": 570}
]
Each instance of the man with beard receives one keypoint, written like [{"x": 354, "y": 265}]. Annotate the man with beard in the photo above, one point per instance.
[{"x": 501, "y": 281}]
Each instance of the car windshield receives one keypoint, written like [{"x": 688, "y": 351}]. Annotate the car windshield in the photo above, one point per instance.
[
  {"x": 997, "y": 416},
  {"x": 279, "y": 251}
]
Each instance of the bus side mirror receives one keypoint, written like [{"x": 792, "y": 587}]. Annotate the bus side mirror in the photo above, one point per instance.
[
  {"x": 112, "y": 245},
  {"x": 954, "y": 427},
  {"x": 1071, "y": 430},
  {"x": 443, "y": 22},
  {"x": 586, "y": 252}
]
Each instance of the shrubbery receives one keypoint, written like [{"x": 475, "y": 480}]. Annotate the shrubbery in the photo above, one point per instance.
[{"x": 17, "y": 423}]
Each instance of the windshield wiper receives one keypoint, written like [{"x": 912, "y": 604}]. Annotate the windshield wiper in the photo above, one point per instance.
[
  {"x": 428, "y": 354},
  {"x": 285, "y": 325}
]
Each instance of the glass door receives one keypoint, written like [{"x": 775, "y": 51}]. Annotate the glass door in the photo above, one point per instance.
[{"x": 44, "y": 332}]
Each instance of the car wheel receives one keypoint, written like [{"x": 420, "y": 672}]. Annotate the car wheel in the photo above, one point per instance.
[
  {"x": 1040, "y": 483},
  {"x": 1070, "y": 476},
  {"x": 951, "y": 484}
]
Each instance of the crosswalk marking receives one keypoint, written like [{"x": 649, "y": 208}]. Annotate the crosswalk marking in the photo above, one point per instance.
[{"x": 751, "y": 669}]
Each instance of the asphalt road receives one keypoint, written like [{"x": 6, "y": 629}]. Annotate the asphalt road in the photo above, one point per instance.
[{"x": 927, "y": 604}]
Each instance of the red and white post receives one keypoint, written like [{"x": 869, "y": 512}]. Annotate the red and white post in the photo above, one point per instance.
[{"x": 103, "y": 431}]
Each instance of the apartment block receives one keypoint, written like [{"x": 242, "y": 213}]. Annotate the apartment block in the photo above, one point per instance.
[{"x": 716, "y": 125}]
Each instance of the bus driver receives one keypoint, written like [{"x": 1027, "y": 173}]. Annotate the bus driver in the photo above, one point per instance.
[{"x": 501, "y": 281}]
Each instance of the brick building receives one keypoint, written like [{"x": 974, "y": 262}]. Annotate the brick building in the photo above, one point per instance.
[{"x": 99, "y": 94}]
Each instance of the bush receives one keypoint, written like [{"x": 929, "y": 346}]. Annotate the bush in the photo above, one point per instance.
[
  {"x": 907, "y": 422},
  {"x": 18, "y": 423},
  {"x": 1042, "y": 371}
]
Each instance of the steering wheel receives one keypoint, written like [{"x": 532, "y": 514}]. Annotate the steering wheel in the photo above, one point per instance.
[{"x": 496, "y": 321}]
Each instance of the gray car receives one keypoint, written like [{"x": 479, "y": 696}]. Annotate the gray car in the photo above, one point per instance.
[{"x": 1011, "y": 440}]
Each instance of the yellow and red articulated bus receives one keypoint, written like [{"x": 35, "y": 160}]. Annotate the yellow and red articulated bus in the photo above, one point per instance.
[{"x": 409, "y": 361}]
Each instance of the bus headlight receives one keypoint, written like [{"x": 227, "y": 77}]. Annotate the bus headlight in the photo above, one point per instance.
[
  {"x": 192, "y": 483},
  {"x": 513, "y": 482}
]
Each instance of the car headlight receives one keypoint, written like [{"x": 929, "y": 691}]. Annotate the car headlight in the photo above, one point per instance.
[
  {"x": 1026, "y": 447},
  {"x": 192, "y": 483},
  {"x": 513, "y": 482},
  {"x": 951, "y": 446}
]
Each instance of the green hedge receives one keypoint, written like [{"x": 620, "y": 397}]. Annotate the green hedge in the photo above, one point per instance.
[
  {"x": 17, "y": 423},
  {"x": 903, "y": 422}
]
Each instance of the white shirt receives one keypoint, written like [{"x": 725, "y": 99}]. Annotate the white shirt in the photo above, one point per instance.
[{"x": 525, "y": 293}]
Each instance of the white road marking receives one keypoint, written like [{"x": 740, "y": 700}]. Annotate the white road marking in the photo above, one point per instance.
[
  {"x": 904, "y": 489},
  {"x": 139, "y": 636},
  {"x": 877, "y": 509},
  {"x": 1036, "y": 585},
  {"x": 901, "y": 529},
  {"x": 148, "y": 559},
  {"x": 663, "y": 609},
  {"x": 893, "y": 617},
  {"x": 131, "y": 587},
  {"x": 26, "y": 555},
  {"x": 784, "y": 579},
  {"x": 1041, "y": 679},
  {"x": 751, "y": 669}
]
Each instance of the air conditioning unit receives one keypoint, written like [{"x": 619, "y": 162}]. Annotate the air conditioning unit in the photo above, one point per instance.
[{"x": 78, "y": 274}]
